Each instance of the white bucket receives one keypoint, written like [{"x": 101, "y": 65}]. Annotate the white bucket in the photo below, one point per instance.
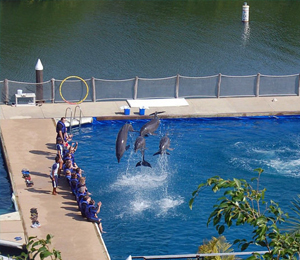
[{"x": 19, "y": 91}]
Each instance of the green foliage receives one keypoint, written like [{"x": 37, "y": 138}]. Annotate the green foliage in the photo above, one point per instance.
[
  {"x": 39, "y": 249},
  {"x": 242, "y": 204},
  {"x": 293, "y": 226},
  {"x": 216, "y": 245}
]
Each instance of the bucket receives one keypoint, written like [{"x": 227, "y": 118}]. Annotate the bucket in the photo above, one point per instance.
[
  {"x": 19, "y": 91},
  {"x": 127, "y": 111},
  {"x": 142, "y": 111}
]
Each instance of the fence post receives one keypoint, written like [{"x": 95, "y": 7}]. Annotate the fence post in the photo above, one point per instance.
[
  {"x": 219, "y": 85},
  {"x": 52, "y": 90},
  {"x": 135, "y": 87},
  {"x": 39, "y": 80},
  {"x": 6, "y": 92},
  {"x": 257, "y": 84},
  {"x": 177, "y": 86},
  {"x": 94, "y": 89}
]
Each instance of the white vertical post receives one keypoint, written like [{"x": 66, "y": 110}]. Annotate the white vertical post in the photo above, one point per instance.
[
  {"x": 245, "y": 13},
  {"x": 39, "y": 79}
]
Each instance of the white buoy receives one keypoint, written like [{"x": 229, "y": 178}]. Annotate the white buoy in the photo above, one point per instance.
[{"x": 245, "y": 13}]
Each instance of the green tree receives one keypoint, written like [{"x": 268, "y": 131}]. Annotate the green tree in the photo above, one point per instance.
[
  {"x": 216, "y": 245},
  {"x": 39, "y": 249},
  {"x": 242, "y": 204}
]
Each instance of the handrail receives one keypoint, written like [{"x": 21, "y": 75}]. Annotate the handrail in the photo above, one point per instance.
[
  {"x": 197, "y": 256},
  {"x": 80, "y": 115},
  {"x": 68, "y": 108}
]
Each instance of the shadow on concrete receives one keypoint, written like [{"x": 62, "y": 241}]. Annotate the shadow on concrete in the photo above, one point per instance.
[
  {"x": 48, "y": 155},
  {"x": 71, "y": 203},
  {"x": 76, "y": 216},
  {"x": 40, "y": 175},
  {"x": 51, "y": 146},
  {"x": 73, "y": 209},
  {"x": 39, "y": 191}
]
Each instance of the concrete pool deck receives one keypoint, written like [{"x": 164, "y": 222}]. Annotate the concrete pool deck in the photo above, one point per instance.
[{"x": 28, "y": 134}]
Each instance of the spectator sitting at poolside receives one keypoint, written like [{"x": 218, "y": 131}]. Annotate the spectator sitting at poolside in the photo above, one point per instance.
[
  {"x": 81, "y": 192},
  {"x": 91, "y": 212},
  {"x": 68, "y": 156},
  {"x": 79, "y": 173},
  {"x": 68, "y": 175},
  {"x": 68, "y": 166},
  {"x": 73, "y": 183},
  {"x": 81, "y": 185},
  {"x": 83, "y": 203}
]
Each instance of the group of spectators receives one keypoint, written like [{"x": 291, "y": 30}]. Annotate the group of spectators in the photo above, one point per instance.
[{"x": 65, "y": 166}]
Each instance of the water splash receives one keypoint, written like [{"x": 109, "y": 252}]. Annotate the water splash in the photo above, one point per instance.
[{"x": 146, "y": 189}]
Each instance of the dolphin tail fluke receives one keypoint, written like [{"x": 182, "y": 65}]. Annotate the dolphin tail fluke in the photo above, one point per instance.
[
  {"x": 167, "y": 153},
  {"x": 138, "y": 164},
  {"x": 159, "y": 152},
  {"x": 145, "y": 163}
]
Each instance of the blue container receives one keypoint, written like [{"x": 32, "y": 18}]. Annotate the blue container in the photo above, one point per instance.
[
  {"x": 127, "y": 111},
  {"x": 142, "y": 111}
]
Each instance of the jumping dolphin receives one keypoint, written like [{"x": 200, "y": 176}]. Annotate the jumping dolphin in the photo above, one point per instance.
[
  {"x": 164, "y": 145},
  {"x": 150, "y": 126},
  {"x": 140, "y": 144},
  {"x": 122, "y": 140}
]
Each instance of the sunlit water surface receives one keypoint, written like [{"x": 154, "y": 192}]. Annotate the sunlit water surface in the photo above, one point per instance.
[{"x": 147, "y": 38}]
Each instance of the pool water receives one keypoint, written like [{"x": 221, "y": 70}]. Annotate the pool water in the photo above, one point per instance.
[
  {"x": 6, "y": 204},
  {"x": 145, "y": 210}
]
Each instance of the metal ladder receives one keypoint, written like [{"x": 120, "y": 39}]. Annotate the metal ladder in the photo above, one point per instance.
[{"x": 72, "y": 117}]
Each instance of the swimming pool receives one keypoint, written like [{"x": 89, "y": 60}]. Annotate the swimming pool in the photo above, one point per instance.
[
  {"x": 6, "y": 204},
  {"x": 145, "y": 210}
]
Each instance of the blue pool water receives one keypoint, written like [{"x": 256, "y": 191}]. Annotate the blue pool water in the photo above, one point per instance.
[
  {"x": 6, "y": 205},
  {"x": 145, "y": 210}
]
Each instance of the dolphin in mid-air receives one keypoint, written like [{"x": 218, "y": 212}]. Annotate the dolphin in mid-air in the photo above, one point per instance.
[
  {"x": 150, "y": 126},
  {"x": 121, "y": 141},
  {"x": 140, "y": 144},
  {"x": 164, "y": 145}
]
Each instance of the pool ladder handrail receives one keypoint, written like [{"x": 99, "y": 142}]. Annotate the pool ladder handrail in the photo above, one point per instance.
[{"x": 72, "y": 117}]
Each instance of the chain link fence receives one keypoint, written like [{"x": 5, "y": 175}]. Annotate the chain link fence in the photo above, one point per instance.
[{"x": 93, "y": 90}]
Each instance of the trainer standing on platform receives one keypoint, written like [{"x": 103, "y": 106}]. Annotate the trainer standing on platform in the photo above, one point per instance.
[{"x": 61, "y": 131}]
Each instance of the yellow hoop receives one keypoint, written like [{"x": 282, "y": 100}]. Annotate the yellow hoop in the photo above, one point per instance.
[{"x": 87, "y": 90}]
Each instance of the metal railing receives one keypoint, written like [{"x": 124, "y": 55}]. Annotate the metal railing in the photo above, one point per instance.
[
  {"x": 195, "y": 256},
  {"x": 216, "y": 86}
]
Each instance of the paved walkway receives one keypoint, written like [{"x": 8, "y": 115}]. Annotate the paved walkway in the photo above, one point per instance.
[
  {"x": 29, "y": 143},
  {"x": 197, "y": 108}
]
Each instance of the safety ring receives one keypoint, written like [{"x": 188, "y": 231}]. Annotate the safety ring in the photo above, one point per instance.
[{"x": 79, "y": 102}]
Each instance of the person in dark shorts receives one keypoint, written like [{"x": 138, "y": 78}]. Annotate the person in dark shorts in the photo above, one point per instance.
[
  {"x": 61, "y": 131},
  {"x": 54, "y": 175}
]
